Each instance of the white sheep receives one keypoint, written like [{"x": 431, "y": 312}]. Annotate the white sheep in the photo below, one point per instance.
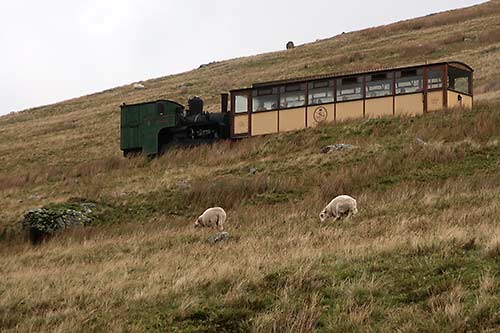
[
  {"x": 213, "y": 218},
  {"x": 339, "y": 207},
  {"x": 138, "y": 86}
]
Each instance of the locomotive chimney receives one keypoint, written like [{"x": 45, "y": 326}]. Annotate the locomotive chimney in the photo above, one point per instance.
[{"x": 223, "y": 102}]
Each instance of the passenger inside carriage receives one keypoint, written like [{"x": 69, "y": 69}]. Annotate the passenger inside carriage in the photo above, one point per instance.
[{"x": 260, "y": 107}]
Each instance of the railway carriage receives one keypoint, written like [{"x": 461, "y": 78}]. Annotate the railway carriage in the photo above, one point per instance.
[{"x": 287, "y": 105}]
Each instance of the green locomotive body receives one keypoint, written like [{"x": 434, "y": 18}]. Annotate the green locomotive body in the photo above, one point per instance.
[
  {"x": 141, "y": 124},
  {"x": 151, "y": 127}
]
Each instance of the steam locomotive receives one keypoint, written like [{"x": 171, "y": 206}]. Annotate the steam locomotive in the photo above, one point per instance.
[
  {"x": 294, "y": 104},
  {"x": 152, "y": 127}
]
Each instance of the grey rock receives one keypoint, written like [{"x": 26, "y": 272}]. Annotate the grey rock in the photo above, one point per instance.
[
  {"x": 206, "y": 65},
  {"x": 336, "y": 147},
  {"x": 50, "y": 221},
  {"x": 46, "y": 221},
  {"x": 252, "y": 171},
  {"x": 219, "y": 237}
]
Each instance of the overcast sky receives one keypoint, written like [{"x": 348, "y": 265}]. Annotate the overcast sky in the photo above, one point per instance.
[{"x": 54, "y": 50}]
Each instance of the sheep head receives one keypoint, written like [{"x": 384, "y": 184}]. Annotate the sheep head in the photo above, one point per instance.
[{"x": 323, "y": 215}]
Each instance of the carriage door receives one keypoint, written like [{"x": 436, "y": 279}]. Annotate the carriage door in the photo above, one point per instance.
[{"x": 241, "y": 114}]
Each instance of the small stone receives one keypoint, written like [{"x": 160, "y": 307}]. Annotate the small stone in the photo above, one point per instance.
[
  {"x": 185, "y": 85},
  {"x": 420, "y": 142},
  {"x": 336, "y": 147},
  {"x": 219, "y": 237},
  {"x": 88, "y": 207}
]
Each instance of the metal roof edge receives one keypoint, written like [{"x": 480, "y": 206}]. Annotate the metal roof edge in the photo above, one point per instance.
[
  {"x": 349, "y": 73},
  {"x": 152, "y": 102}
]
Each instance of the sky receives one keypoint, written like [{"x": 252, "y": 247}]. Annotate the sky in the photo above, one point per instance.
[{"x": 54, "y": 50}]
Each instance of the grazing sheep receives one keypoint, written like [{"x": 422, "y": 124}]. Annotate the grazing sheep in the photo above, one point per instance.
[
  {"x": 213, "y": 218},
  {"x": 341, "y": 206},
  {"x": 138, "y": 86}
]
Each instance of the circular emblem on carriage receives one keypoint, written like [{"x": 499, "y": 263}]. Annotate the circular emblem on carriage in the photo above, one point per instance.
[{"x": 320, "y": 114}]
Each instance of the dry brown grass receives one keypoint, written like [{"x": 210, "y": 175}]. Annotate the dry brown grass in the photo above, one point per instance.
[
  {"x": 448, "y": 18},
  {"x": 422, "y": 255},
  {"x": 282, "y": 271}
]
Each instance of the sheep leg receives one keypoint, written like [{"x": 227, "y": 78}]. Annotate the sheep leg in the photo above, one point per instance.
[{"x": 220, "y": 227}]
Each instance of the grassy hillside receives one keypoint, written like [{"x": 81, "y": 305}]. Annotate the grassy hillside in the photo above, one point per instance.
[{"x": 422, "y": 255}]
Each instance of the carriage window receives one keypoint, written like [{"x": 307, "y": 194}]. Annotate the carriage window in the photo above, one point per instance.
[
  {"x": 409, "y": 81},
  {"x": 265, "y": 99},
  {"x": 321, "y": 92},
  {"x": 292, "y": 96},
  {"x": 459, "y": 80},
  {"x": 241, "y": 104},
  {"x": 435, "y": 79},
  {"x": 378, "y": 85},
  {"x": 349, "y": 89}
]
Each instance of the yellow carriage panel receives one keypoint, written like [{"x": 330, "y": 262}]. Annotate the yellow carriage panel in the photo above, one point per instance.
[
  {"x": 349, "y": 110},
  {"x": 292, "y": 119},
  {"x": 379, "y": 107},
  {"x": 410, "y": 105},
  {"x": 241, "y": 124},
  {"x": 264, "y": 122},
  {"x": 317, "y": 114},
  {"x": 459, "y": 100},
  {"x": 434, "y": 101}
]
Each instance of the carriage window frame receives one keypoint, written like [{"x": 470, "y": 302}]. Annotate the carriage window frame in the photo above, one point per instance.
[
  {"x": 292, "y": 96},
  {"x": 321, "y": 92},
  {"x": 409, "y": 81},
  {"x": 264, "y": 97},
  {"x": 435, "y": 79},
  {"x": 378, "y": 85},
  {"x": 354, "y": 84},
  {"x": 455, "y": 74},
  {"x": 237, "y": 109}
]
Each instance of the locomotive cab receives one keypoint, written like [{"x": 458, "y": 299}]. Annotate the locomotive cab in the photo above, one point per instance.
[{"x": 141, "y": 123}]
